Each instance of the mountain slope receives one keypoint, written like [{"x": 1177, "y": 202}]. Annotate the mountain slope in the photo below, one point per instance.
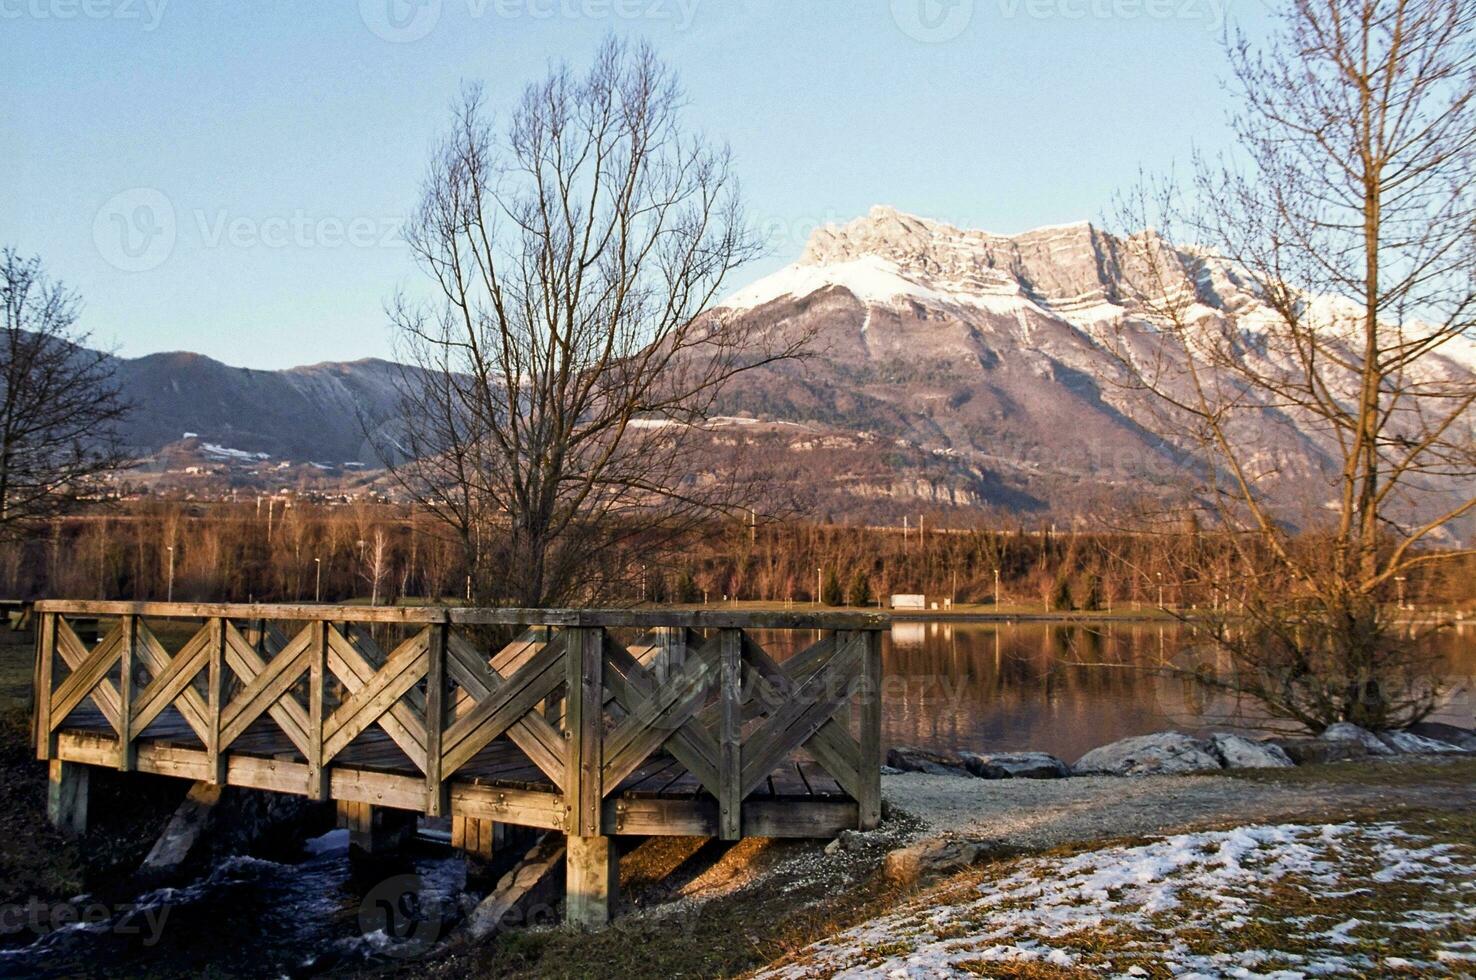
[
  {"x": 307, "y": 413},
  {"x": 991, "y": 351}
]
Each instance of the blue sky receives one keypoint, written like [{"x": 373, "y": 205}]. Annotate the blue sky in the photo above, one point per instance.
[{"x": 229, "y": 178}]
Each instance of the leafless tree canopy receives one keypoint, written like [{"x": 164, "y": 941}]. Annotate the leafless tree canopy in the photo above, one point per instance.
[
  {"x": 561, "y": 380},
  {"x": 59, "y": 405},
  {"x": 1348, "y": 209}
]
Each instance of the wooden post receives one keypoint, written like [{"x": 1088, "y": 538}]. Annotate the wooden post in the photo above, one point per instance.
[
  {"x": 45, "y": 665},
  {"x": 477, "y": 838},
  {"x": 592, "y": 881},
  {"x": 216, "y": 679},
  {"x": 869, "y": 765},
  {"x": 375, "y": 830},
  {"x": 730, "y": 735},
  {"x": 317, "y": 765},
  {"x": 584, "y": 660},
  {"x": 127, "y": 751},
  {"x": 437, "y": 790},
  {"x": 66, "y": 797}
]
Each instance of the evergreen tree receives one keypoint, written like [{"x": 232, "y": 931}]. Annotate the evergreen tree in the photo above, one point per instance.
[
  {"x": 1093, "y": 598},
  {"x": 686, "y": 588},
  {"x": 1061, "y": 595},
  {"x": 860, "y": 589},
  {"x": 831, "y": 592}
]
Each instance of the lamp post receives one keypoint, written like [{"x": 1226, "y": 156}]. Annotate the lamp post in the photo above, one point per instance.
[
  {"x": 1160, "y": 590},
  {"x": 817, "y": 586},
  {"x": 170, "y": 549},
  {"x": 318, "y": 588},
  {"x": 996, "y": 590}
]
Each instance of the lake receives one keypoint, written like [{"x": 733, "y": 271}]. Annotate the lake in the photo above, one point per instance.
[{"x": 1067, "y": 688}]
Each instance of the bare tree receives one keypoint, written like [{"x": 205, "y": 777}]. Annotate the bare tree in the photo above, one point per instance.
[
  {"x": 376, "y": 566},
  {"x": 559, "y": 385},
  {"x": 1347, "y": 214},
  {"x": 59, "y": 401}
]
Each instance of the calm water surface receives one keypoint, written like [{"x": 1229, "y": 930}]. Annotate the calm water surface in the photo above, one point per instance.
[{"x": 1065, "y": 689}]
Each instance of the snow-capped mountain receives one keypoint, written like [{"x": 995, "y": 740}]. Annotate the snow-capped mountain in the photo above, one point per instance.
[{"x": 982, "y": 366}]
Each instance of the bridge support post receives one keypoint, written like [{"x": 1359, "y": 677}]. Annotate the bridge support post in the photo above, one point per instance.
[
  {"x": 478, "y": 840},
  {"x": 66, "y": 797},
  {"x": 592, "y": 881},
  {"x": 375, "y": 830}
]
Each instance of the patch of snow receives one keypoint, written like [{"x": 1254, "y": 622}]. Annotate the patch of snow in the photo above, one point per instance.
[
  {"x": 1198, "y": 881},
  {"x": 225, "y": 452}
]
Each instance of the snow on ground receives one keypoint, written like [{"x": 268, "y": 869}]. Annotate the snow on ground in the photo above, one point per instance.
[{"x": 1280, "y": 901}]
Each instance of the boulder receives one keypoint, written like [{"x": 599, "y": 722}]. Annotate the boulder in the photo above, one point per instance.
[
  {"x": 909, "y": 866},
  {"x": 1015, "y": 765},
  {"x": 1147, "y": 755},
  {"x": 1461, "y": 738},
  {"x": 1346, "y": 731},
  {"x": 1315, "y": 751},
  {"x": 1408, "y": 743},
  {"x": 921, "y": 760},
  {"x": 1238, "y": 752}
]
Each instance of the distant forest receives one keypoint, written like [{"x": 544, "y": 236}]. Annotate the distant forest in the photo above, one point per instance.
[{"x": 290, "y": 551}]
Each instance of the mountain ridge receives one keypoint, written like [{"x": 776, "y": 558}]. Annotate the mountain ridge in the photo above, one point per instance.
[{"x": 950, "y": 368}]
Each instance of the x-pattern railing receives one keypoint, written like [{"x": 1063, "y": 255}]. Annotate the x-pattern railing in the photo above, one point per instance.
[{"x": 587, "y": 711}]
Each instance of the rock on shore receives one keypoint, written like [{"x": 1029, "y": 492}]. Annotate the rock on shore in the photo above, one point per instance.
[
  {"x": 1015, "y": 765},
  {"x": 1142, "y": 755},
  {"x": 1164, "y": 753}
]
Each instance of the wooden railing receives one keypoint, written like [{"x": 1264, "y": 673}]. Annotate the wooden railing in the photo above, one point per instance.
[{"x": 280, "y": 697}]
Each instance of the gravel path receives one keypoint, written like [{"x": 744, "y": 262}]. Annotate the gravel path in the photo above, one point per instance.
[{"x": 1040, "y": 813}]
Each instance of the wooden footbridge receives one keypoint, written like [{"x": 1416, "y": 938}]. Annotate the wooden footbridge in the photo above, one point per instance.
[{"x": 592, "y": 723}]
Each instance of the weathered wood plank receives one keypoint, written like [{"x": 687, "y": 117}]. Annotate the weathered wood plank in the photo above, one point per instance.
[
  {"x": 317, "y": 758},
  {"x": 655, "y": 817},
  {"x": 80, "y": 682},
  {"x": 492, "y": 717},
  {"x": 168, "y": 684},
  {"x": 526, "y": 808},
  {"x": 248, "y": 664},
  {"x": 531, "y": 733},
  {"x": 868, "y": 800},
  {"x": 802, "y": 715},
  {"x": 401, "y": 724},
  {"x": 42, "y": 730},
  {"x": 66, "y": 797},
  {"x": 798, "y": 818},
  {"x": 656, "y": 719},
  {"x": 832, "y": 746},
  {"x": 592, "y": 887},
  {"x": 404, "y": 669},
  {"x": 428, "y": 615},
  {"x": 692, "y": 745},
  {"x": 263, "y": 693},
  {"x": 730, "y": 736},
  {"x": 436, "y": 801},
  {"x": 585, "y": 721},
  {"x": 152, "y": 655},
  {"x": 217, "y": 679},
  {"x": 74, "y": 653},
  {"x": 399, "y": 792}
]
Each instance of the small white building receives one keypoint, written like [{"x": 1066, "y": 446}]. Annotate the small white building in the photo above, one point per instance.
[{"x": 909, "y": 602}]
